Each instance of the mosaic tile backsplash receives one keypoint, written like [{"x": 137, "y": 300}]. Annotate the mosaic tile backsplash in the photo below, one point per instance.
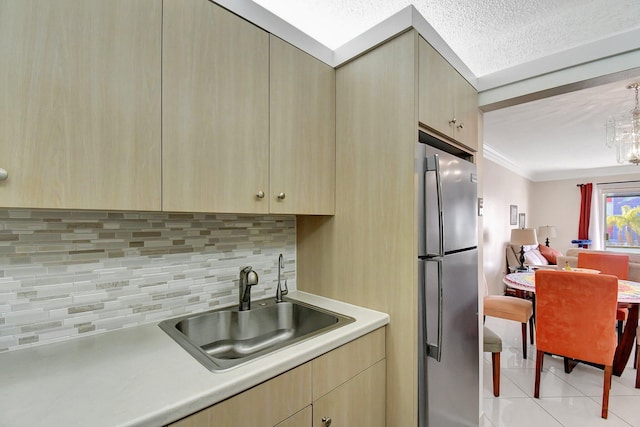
[{"x": 65, "y": 274}]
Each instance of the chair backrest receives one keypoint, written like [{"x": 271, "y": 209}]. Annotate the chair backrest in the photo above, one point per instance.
[
  {"x": 576, "y": 314},
  {"x": 614, "y": 264}
]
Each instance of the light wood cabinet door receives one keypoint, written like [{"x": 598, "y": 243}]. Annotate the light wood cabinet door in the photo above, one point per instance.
[
  {"x": 345, "y": 362},
  {"x": 436, "y": 86},
  {"x": 466, "y": 110},
  {"x": 302, "y": 132},
  {"x": 215, "y": 114},
  {"x": 80, "y": 101},
  {"x": 358, "y": 402},
  {"x": 447, "y": 103},
  {"x": 301, "y": 419},
  {"x": 264, "y": 405}
]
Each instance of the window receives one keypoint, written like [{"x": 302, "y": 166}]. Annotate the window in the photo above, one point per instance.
[{"x": 622, "y": 221}]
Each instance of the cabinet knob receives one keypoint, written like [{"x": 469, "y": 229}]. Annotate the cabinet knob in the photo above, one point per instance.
[
  {"x": 281, "y": 196},
  {"x": 260, "y": 194},
  {"x": 326, "y": 421},
  {"x": 460, "y": 126},
  {"x": 452, "y": 121},
  {"x": 3, "y": 174}
]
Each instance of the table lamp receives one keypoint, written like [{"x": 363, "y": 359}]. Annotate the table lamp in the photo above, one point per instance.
[
  {"x": 546, "y": 231},
  {"x": 523, "y": 237}
]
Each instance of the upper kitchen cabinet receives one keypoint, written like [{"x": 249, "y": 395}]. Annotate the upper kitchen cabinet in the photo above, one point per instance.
[
  {"x": 302, "y": 132},
  {"x": 215, "y": 116},
  {"x": 448, "y": 104},
  {"x": 80, "y": 104}
]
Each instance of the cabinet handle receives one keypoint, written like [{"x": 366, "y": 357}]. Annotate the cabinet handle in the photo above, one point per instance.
[
  {"x": 326, "y": 421},
  {"x": 260, "y": 194},
  {"x": 281, "y": 196},
  {"x": 452, "y": 121},
  {"x": 460, "y": 126},
  {"x": 3, "y": 174}
]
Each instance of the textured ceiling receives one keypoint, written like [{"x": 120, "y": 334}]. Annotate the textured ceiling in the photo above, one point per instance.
[
  {"x": 560, "y": 136},
  {"x": 553, "y": 138},
  {"x": 487, "y": 35}
]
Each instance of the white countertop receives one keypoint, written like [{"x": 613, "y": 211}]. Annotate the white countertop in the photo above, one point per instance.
[{"x": 139, "y": 376}]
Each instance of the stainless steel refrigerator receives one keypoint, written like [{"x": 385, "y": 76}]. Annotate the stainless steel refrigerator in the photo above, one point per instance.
[{"x": 448, "y": 286}]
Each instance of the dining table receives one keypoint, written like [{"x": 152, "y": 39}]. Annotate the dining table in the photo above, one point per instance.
[{"x": 628, "y": 292}]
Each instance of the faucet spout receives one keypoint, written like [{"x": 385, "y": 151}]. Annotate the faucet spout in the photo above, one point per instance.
[
  {"x": 248, "y": 278},
  {"x": 281, "y": 291}
]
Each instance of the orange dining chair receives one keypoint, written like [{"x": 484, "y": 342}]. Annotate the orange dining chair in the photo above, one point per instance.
[
  {"x": 510, "y": 308},
  {"x": 614, "y": 264},
  {"x": 563, "y": 301}
]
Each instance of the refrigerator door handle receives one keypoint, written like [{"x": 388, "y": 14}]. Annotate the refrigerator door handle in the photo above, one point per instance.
[
  {"x": 435, "y": 350},
  {"x": 433, "y": 165}
]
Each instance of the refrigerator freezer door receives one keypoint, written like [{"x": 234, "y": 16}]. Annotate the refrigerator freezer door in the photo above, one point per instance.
[
  {"x": 450, "y": 202},
  {"x": 450, "y": 387}
]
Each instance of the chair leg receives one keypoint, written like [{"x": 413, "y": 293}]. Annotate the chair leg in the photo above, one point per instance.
[
  {"x": 531, "y": 329},
  {"x": 637, "y": 364},
  {"x": 495, "y": 366},
  {"x": 539, "y": 356},
  {"x": 620, "y": 327},
  {"x": 608, "y": 369},
  {"x": 524, "y": 340}
]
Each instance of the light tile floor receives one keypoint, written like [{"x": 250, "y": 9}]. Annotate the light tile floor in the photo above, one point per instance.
[{"x": 566, "y": 400}]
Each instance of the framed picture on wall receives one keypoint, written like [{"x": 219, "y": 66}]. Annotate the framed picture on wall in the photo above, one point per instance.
[
  {"x": 521, "y": 220},
  {"x": 513, "y": 210}
]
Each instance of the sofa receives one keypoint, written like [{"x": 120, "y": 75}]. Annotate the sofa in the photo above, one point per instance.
[
  {"x": 538, "y": 256},
  {"x": 571, "y": 257}
]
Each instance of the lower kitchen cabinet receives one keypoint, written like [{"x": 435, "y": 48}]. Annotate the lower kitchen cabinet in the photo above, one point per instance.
[
  {"x": 264, "y": 405},
  {"x": 349, "y": 384},
  {"x": 358, "y": 402},
  {"x": 302, "y": 418},
  {"x": 344, "y": 387}
]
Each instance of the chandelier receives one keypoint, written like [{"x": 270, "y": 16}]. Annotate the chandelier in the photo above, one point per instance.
[{"x": 623, "y": 133}]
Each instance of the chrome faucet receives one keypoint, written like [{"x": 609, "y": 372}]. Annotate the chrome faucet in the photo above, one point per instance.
[
  {"x": 248, "y": 278},
  {"x": 280, "y": 291}
]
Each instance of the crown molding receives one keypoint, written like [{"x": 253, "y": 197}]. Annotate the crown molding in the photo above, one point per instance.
[
  {"x": 535, "y": 176},
  {"x": 495, "y": 156}
]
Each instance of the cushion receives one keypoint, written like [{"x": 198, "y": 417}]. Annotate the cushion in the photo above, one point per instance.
[
  {"x": 492, "y": 342},
  {"x": 534, "y": 257},
  {"x": 506, "y": 307},
  {"x": 549, "y": 253}
]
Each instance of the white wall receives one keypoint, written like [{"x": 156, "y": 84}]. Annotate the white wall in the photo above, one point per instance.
[{"x": 501, "y": 189}]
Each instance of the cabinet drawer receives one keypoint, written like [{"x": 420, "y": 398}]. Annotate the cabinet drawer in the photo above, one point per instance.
[
  {"x": 264, "y": 405},
  {"x": 358, "y": 402},
  {"x": 338, "y": 366},
  {"x": 301, "y": 419}
]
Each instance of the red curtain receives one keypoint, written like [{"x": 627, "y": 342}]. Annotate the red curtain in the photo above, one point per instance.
[{"x": 585, "y": 211}]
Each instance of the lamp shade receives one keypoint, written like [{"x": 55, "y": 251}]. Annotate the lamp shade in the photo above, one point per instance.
[
  {"x": 547, "y": 231},
  {"x": 523, "y": 236}
]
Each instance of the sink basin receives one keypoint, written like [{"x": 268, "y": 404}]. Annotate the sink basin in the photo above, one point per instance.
[{"x": 225, "y": 338}]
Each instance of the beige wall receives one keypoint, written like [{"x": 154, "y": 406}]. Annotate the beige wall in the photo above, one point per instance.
[
  {"x": 558, "y": 203},
  {"x": 501, "y": 188},
  {"x": 545, "y": 203}
]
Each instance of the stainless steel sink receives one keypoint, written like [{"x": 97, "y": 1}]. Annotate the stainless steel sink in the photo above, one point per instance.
[{"x": 225, "y": 338}]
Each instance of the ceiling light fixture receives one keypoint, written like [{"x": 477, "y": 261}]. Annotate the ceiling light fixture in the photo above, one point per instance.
[{"x": 623, "y": 133}]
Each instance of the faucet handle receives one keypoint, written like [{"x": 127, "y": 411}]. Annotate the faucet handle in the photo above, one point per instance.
[
  {"x": 281, "y": 291},
  {"x": 252, "y": 278}
]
